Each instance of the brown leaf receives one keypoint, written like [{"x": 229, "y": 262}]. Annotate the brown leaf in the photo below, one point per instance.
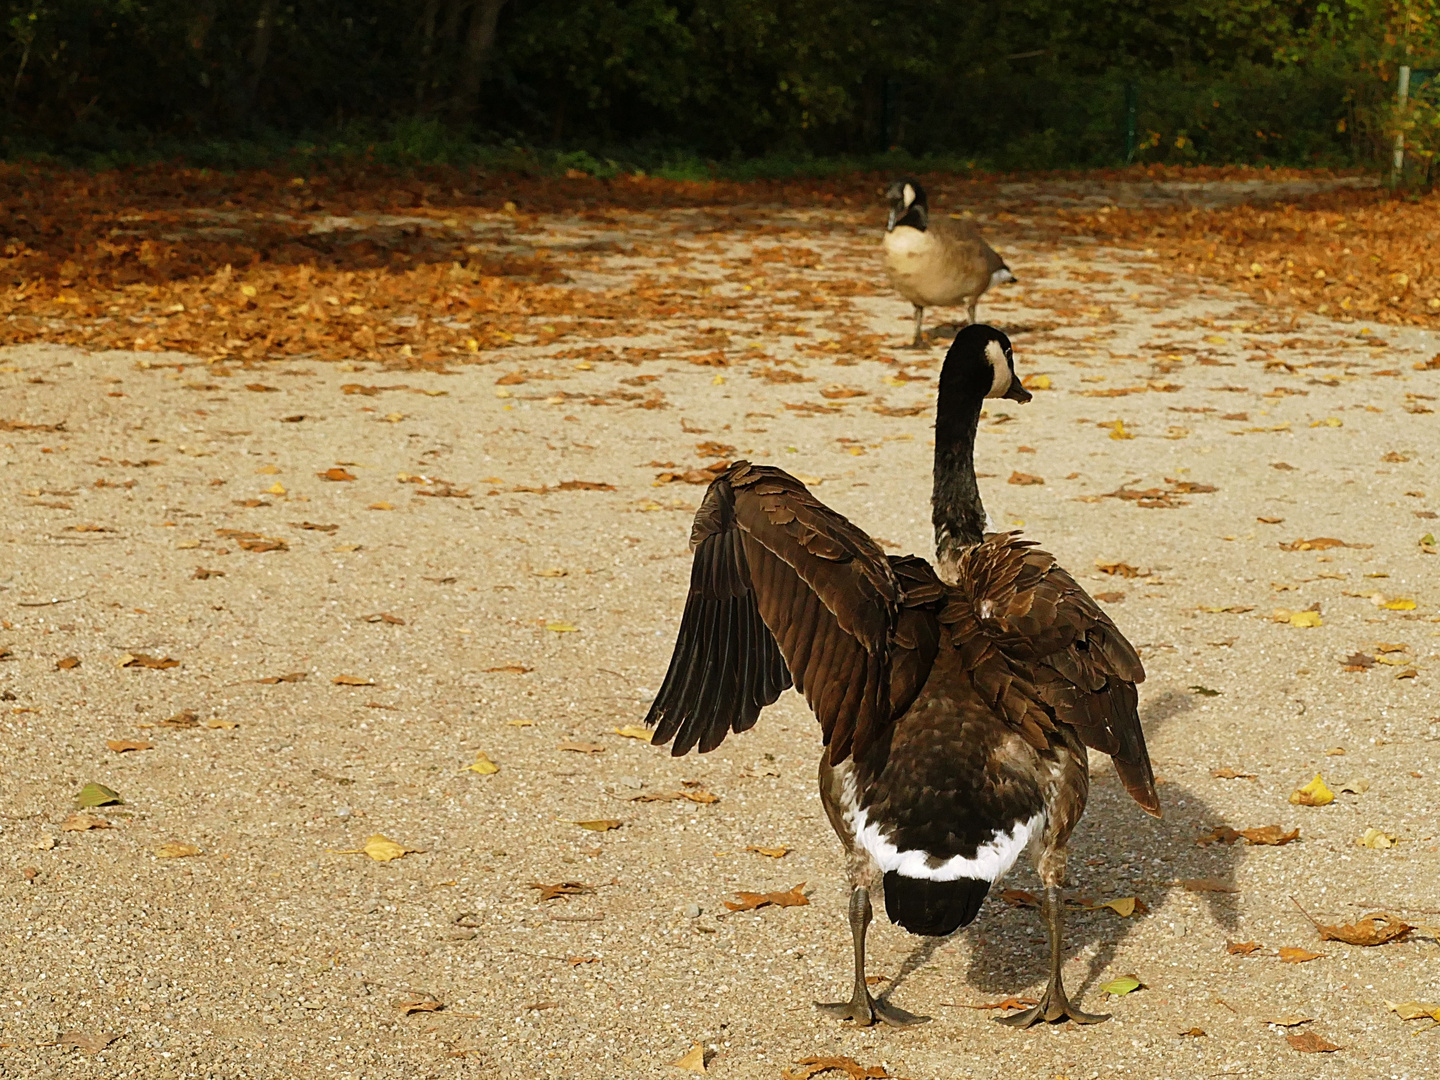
[
  {"x": 142, "y": 660},
  {"x": 1269, "y": 835},
  {"x": 1270, "y": 520},
  {"x": 584, "y": 485},
  {"x": 175, "y": 849},
  {"x": 598, "y": 824},
  {"x": 294, "y": 676},
  {"x": 749, "y": 901},
  {"x": 1376, "y": 928},
  {"x": 1118, "y": 569},
  {"x": 261, "y": 388},
  {"x": 1110, "y": 597},
  {"x": 89, "y": 1044},
  {"x": 337, "y": 474},
  {"x": 185, "y": 718},
  {"x": 121, "y": 746},
  {"x": 1008, "y": 1003},
  {"x": 561, "y": 889},
  {"x": 713, "y": 449},
  {"x": 1308, "y": 1042},
  {"x": 83, "y": 822},
  {"x": 1241, "y": 948},
  {"x": 1020, "y": 898},
  {"x": 1319, "y": 543},
  {"x": 419, "y": 1003},
  {"x": 693, "y": 1060},
  {"x": 202, "y": 574},
  {"x": 813, "y": 1066},
  {"x": 837, "y": 392},
  {"x": 1025, "y": 478},
  {"x": 1358, "y": 661},
  {"x": 512, "y": 669},
  {"x": 1221, "y": 834},
  {"x": 1289, "y": 1021},
  {"x": 1231, "y": 774},
  {"x": 1194, "y": 1032},
  {"x": 1207, "y": 884},
  {"x": 1289, "y": 954},
  {"x": 67, "y": 663},
  {"x": 769, "y": 852},
  {"x": 352, "y": 680},
  {"x": 384, "y": 617},
  {"x": 310, "y": 525},
  {"x": 583, "y": 747}
]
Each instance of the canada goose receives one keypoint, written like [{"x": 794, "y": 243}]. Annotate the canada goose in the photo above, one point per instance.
[
  {"x": 936, "y": 261},
  {"x": 956, "y": 706}
]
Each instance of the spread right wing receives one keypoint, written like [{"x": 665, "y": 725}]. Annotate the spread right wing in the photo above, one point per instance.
[{"x": 784, "y": 589}]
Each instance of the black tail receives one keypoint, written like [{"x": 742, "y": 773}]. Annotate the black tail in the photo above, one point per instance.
[{"x": 933, "y": 908}]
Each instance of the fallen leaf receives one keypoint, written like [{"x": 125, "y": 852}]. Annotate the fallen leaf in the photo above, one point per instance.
[
  {"x": 1291, "y": 955},
  {"x": 176, "y": 850},
  {"x": 1358, "y": 661},
  {"x": 202, "y": 574},
  {"x": 769, "y": 852},
  {"x": 584, "y": 485},
  {"x": 1036, "y": 382},
  {"x": 122, "y": 746},
  {"x": 1302, "y": 619},
  {"x": 576, "y": 961},
  {"x": 222, "y": 725},
  {"x": 482, "y": 765},
  {"x": 1319, "y": 543},
  {"x": 1008, "y": 1003},
  {"x": 1110, "y": 597},
  {"x": 67, "y": 663},
  {"x": 1020, "y": 898},
  {"x": 337, "y": 474},
  {"x": 89, "y": 1044},
  {"x": 1270, "y": 520},
  {"x": 1120, "y": 569},
  {"x": 1376, "y": 840},
  {"x": 1269, "y": 836},
  {"x": 352, "y": 680},
  {"x": 1231, "y": 774},
  {"x": 1377, "y": 928},
  {"x": 1207, "y": 884},
  {"x": 693, "y": 1060},
  {"x": 813, "y": 1066},
  {"x": 1125, "y": 984},
  {"x": 1194, "y": 1032},
  {"x": 1314, "y": 793},
  {"x": 1241, "y": 948},
  {"x": 1399, "y": 605},
  {"x": 595, "y": 825},
  {"x": 561, "y": 627},
  {"x": 1025, "y": 479},
  {"x": 512, "y": 669},
  {"x": 1205, "y": 691},
  {"x": 1414, "y": 1010},
  {"x": 98, "y": 795},
  {"x": 420, "y": 1003},
  {"x": 749, "y": 901},
  {"x": 1308, "y": 1042},
  {"x": 381, "y": 849},
  {"x": 185, "y": 718},
  {"x": 583, "y": 747},
  {"x": 293, "y": 677},
  {"x": 1289, "y": 1021},
  {"x": 1124, "y": 906},
  {"x": 142, "y": 660},
  {"x": 384, "y": 617},
  {"x": 633, "y": 731},
  {"x": 78, "y": 822},
  {"x": 562, "y": 888}
]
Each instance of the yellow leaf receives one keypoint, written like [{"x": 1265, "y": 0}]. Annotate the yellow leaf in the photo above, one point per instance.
[
  {"x": 1298, "y": 618},
  {"x": 1399, "y": 605},
  {"x": 769, "y": 852},
  {"x": 382, "y": 849},
  {"x": 1414, "y": 1010},
  {"x": 382, "y": 505},
  {"x": 562, "y": 627},
  {"x": 1376, "y": 840},
  {"x": 1124, "y": 906},
  {"x": 276, "y": 488},
  {"x": 632, "y": 731},
  {"x": 1215, "y": 339},
  {"x": 1314, "y": 793},
  {"x": 1036, "y": 382},
  {"x": 482, "y": 765},
  {"x": 1329, "y": 421},
  {"x": 1117, "y": 430},
  {"x": 693, "y": 1060},
  {"x": 718, "y": 380},
  {"x": 267, "y": 470},
  {"x": 176, "y": 850},
  {"x": 597, "y": 825}
]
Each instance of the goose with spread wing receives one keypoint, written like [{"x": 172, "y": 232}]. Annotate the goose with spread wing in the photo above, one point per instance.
[{"x": 956, "y": 701}]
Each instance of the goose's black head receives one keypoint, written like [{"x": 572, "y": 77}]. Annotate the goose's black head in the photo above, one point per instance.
[
  {"x": 907, "y": 205},
  {"x": 980, "y": 364}
]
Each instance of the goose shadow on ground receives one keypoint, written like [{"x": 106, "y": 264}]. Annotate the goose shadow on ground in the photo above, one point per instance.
[{"x": 1117, "y": 850}]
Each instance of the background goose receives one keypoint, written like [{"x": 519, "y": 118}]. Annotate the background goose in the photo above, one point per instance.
[
  {"x": 936, "y": 261},
  {"x": 956, "y": 707}
]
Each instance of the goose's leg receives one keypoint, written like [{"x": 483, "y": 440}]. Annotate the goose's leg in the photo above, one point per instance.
[
  {"x": 1054, "y": 1005},
  {"x": 863, "y": 1009},
  {"x": 970, "y": 309},
  {"x": 919, "y": 342}
]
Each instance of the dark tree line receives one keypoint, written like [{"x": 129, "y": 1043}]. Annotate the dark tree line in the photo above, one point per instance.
[{"x": 1047, "y": 79}]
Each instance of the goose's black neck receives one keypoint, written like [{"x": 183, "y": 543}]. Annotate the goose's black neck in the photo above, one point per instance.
[{"x": 956, "y": 510}]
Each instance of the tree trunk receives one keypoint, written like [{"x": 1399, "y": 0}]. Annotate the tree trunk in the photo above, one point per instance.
[
  {"x": 259, "y": 51},
  {"x": 427, "y": 50},
  {"x": 479, "y": 41}
]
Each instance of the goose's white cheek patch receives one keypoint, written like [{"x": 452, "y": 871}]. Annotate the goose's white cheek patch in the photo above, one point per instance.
[{"x": 1000, "y": 368}]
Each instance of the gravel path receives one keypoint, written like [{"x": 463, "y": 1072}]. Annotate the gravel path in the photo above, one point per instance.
[{"x": 345, "y": 646}]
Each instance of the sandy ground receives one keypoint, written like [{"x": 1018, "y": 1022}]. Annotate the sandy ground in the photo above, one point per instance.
[{"x": 274, "y": 953}]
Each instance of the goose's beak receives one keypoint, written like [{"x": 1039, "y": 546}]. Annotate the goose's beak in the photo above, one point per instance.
[
  {"x": 1017, "y": 392},
  {"x": 890, "y": 225}
]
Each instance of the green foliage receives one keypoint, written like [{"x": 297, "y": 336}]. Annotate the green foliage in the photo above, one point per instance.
[{"x": 695, "y": 87}]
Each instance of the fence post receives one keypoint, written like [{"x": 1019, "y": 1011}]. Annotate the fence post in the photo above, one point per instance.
[
  {"x": 1132, "y": 103},
  {"x": 1402, "y": 95}
]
